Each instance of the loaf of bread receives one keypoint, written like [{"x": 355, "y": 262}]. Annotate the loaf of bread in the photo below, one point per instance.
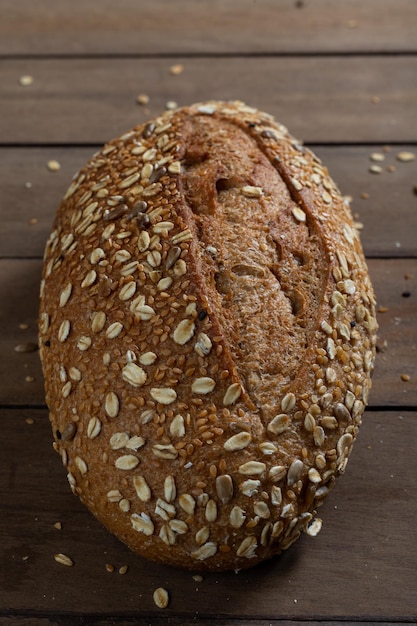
[{"x": 207, "y": 335}]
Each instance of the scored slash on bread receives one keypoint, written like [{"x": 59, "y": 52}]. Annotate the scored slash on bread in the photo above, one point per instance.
[{"x": 207, "y": 332}]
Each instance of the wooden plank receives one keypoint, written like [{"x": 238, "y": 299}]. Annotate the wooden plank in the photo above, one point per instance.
[
  {"x": 19, "y": 282},
  {"x": 207, "y": 26},
  {"x": 64, "y": 620},
  {"x": 321, "y": 99},
  {"x": 347, "y": 571},
  {"x": 27, "y": 211}
]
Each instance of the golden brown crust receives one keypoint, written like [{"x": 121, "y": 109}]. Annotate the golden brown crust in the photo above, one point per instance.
[{"x": 207, "y": 335}]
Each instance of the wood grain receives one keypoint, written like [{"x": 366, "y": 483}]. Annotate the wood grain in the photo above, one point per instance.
[
  {"x": 207, "y": 26},
  {"x": 19, "y": 281},
  {"x": 31, "y": 194},
  {"x": 357, "y": 545},
  {"x": 321, "y": 99}
]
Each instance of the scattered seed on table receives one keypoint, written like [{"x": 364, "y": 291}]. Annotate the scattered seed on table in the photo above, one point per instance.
[
  {"x": 405, "y": 377},
  {"x": 161, "y": 597},
  {"x": 365, "y": 195},
  {"x": 53, "y": 166},
  {"x": 30, "y": 346},
  {"x": 64, "y": 559},
  {"x": 29, "y": 420},
  {"x": 382, "y": 309},
  {"x": 391, "y": 168},
  {"x": 406, "y": 157},
  {"x": 377, "y": 156},
  {"x": 58, "y": 525},
  {"x": 29, "y": 379},
  {"x": 375, "y": 169},
  {"x": 123, "y": 569},
  {"x": 142, "y": 98},
  {"x": 171, "y": 105},
  {"x": 26, "y": 80},
  {"x": 23, "y": 326},
  {"x": 28, "y": 185},
  {"x": 176, "y": 69},
  {"x": 110, "y": 567},
  {"x": 198, "y": 578}
]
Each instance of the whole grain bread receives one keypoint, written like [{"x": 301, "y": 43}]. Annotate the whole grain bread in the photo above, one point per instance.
[{"x": 207, "y": 334}]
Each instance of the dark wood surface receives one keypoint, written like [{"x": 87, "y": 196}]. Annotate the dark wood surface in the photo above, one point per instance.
[{"x": 343, "y": 77}]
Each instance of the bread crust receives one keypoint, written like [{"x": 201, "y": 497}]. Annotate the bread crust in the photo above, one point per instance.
[{"x": 207, "y": 335}]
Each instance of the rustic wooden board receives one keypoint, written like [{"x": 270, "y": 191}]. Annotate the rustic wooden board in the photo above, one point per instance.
[
  {"x": 361, "y": 566},
  {"x": 19, "y": 282},
  {"x": 207, "y": 26},
  {"x": 27, "y": 211},
  {"x": 321, "y": 99}
]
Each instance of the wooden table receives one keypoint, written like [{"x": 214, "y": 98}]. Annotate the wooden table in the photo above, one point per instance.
[{"x": 343, "y": 77}]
